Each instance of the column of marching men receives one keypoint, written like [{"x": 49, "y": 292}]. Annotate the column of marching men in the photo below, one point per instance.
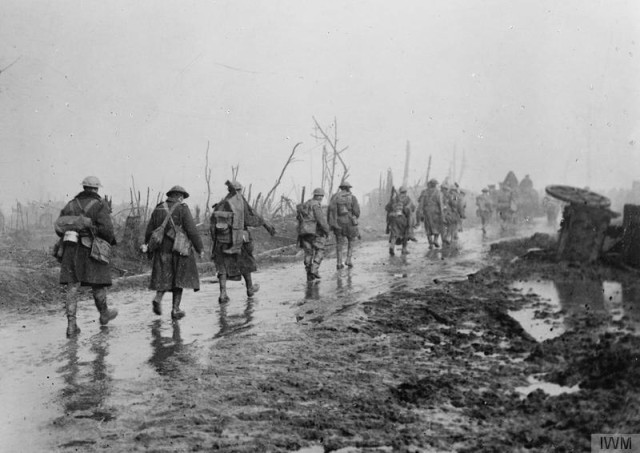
[{"x": 172, "y": 242}]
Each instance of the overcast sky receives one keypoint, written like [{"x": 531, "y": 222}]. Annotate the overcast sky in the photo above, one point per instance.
[{"x": 119, "y": 89}]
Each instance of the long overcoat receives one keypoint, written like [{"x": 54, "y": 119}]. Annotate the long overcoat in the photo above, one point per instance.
[
  {"x": 343, "y": 214},
  {"x": 169, "y": 269},
  {"x": 430, "y": 208},
  {"x": 399, "y": 213},
  {"x": 76, "y": 265},
  {"x": 234, "y": 265}
]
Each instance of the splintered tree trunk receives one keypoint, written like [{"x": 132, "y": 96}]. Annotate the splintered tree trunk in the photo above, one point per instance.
[{"x": 405, "y": 177}]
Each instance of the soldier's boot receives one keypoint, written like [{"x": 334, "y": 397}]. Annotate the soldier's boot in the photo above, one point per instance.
[
  {"x": 176, "y": 313},
  {"x": 308, "y": 260},
  {"x": 349, "y": 261},
  {"x": 252, "y": 288},
  {"x": 405, "y": 251},
  {"x": 315, "y": 271},
  {"x": 71, "y": 306},
  {"x": 222, "y": 279},
  {"x": 317, "y": 261},
  {"x": 157, "y": 303},
  {"x": 435, "y": 241},
  {"x": 430, "y": 239},
  {"x": 392, "y": 249},
  {"x": 339, "y": 263},
  {"x": 100, "y": 299}
]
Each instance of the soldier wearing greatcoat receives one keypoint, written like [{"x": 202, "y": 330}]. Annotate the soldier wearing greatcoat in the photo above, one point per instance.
[
  {"x": 172, "y": 271},
  {"x": 91, "y": 219},
  {"x": 313, "y": 230}
]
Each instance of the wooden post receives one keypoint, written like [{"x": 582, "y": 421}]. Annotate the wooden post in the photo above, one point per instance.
[{"x": 407, "y": 158}]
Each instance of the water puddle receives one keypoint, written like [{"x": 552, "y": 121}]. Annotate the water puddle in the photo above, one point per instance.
[
  {"x": 542, "y": 321},
  {"x": 311, "y": 449},
  {"x": 548, "y": 314},
  {"x": 549, "y": 388}
]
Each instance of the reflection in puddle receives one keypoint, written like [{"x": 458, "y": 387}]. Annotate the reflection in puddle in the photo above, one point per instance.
[
  {"x": 548, "y": 318},
  {"x": 547, "y": 387},
  {"x": 163, "y": 348},
  {"x": 613, "y": 299},
  {"x": 87, "y": 383},
  {"x": 528, "y": 317},
  {"x": 312, "y": 449},
  {"x": 232, "y": 323}
]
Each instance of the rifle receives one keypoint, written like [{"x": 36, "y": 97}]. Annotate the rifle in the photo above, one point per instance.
[
  {"x": 393, "y": 192},
  {"x": 299, "y": 217},
  {"x": 267, "y": 225}
]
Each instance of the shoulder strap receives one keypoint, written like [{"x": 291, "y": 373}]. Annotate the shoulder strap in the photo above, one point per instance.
[
  {"x": 87, "y": 207},
  {"x": 168, "y": 218}
]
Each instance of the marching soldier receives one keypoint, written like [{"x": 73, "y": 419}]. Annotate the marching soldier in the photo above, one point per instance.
[
  {"x": 485, "y": 208},
  {"x": 399, "y": 214},
  {"x": 313, "y": 230},
  {"x": 232, "y": 250},
  {"x": 343, "y": 215},
  {"x": 171, "y": 270},
  {"x": 430, "y": 210},
  {"x": 82, "y": 221}
]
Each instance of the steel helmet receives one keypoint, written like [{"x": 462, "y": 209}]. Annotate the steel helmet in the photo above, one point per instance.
[
  {"x": 91, "y": 181},
  {"x": 318, "y": 191},
  {"x": 345, "y": 184},
  {"x": 402, "y": 189},
  {"x": 178, "y": 189},
  {"x": 234, "y": 184}
]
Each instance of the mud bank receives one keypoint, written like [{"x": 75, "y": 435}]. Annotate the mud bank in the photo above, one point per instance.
[{"x": 441, "y": 368}]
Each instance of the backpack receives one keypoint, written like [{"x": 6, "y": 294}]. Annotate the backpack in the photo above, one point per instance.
[
  {"x": 73, "y": 222},
  {"x": 221, "y": 226},
  {"x": 307, "y": 223},
  {"x": 157, "y": 235},
  {"x": 344, "y": 204}
]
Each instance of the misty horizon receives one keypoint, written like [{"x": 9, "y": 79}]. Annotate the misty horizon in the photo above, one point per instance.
[{"x": 124, "y": 90}]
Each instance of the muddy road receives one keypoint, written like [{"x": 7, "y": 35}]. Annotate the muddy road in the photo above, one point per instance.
[{"x": 391, "y": 355}]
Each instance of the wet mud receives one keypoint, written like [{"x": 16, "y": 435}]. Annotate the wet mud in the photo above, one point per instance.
[{"x": 479, "y": 347}]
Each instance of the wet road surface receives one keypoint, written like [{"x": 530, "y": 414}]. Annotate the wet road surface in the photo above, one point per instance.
[{"x": 50, "y": 386}]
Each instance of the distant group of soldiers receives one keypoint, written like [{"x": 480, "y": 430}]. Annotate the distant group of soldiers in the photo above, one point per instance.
[
  {"x": 513, "y": 202},
  {"x": 440, "y": 207}
]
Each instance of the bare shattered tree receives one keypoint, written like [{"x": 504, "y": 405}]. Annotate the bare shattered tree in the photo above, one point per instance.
[
  {"x": 330, "y": 157},
  {"x": 207, "y": 178},
  {"x": 267, "y": 202}
]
